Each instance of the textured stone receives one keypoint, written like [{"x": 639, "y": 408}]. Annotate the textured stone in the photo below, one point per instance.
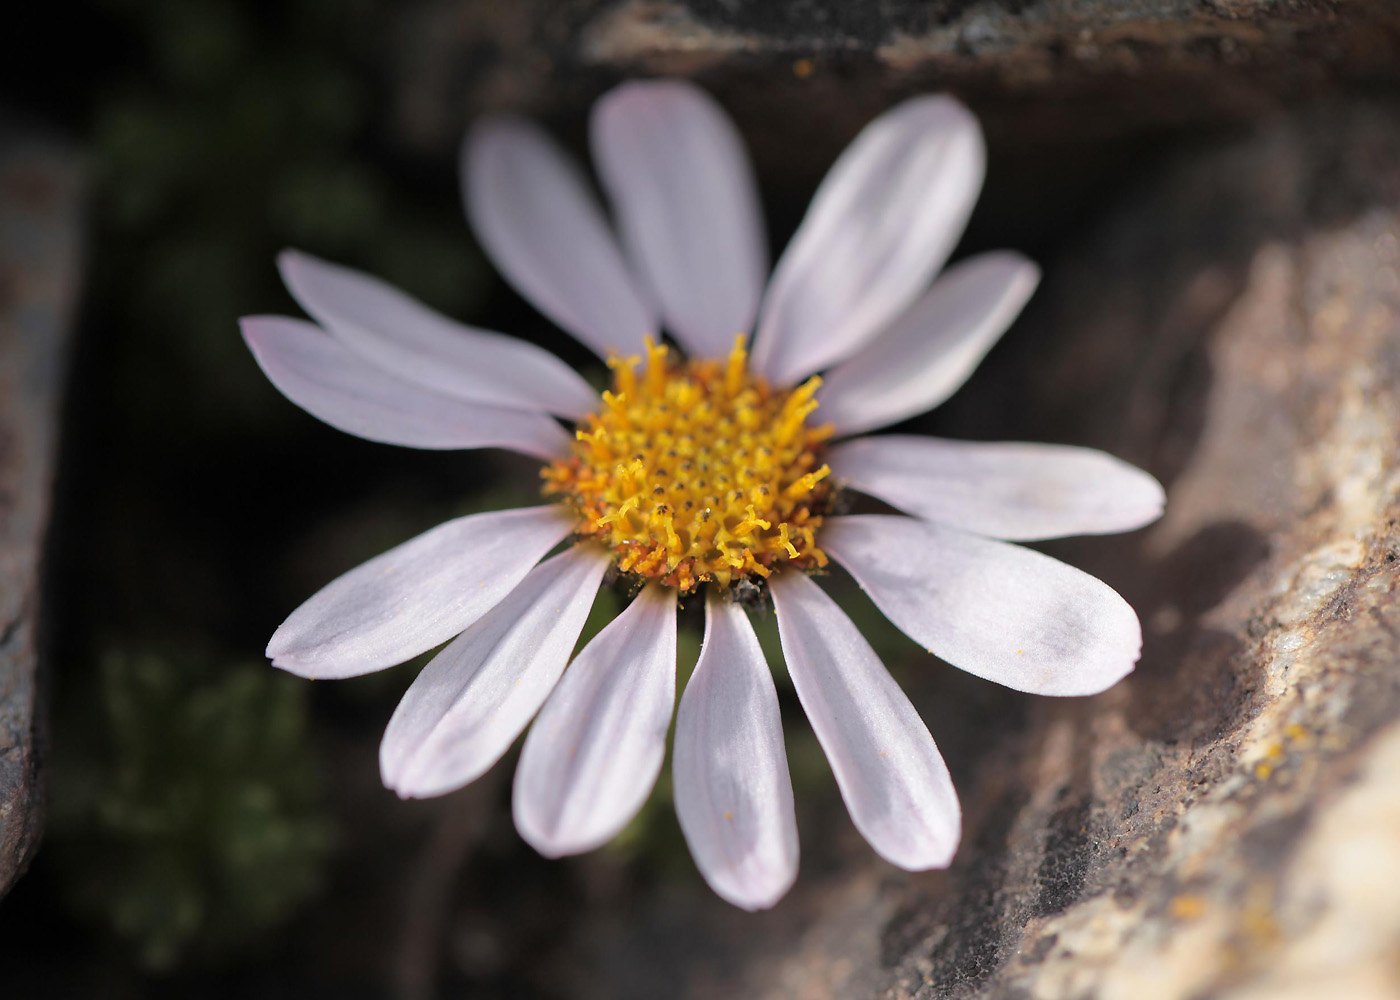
[
  {"x": 1220, "y": 847},
  {"x": 39, "y": 256},
  {"x": 1044, "y": 70},
  {"x": 1226, "y": 822}
]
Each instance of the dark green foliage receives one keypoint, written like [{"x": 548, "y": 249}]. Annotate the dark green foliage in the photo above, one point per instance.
[
  {"x": 246, "y": 129},
  {"x": 187, "y": 811}
]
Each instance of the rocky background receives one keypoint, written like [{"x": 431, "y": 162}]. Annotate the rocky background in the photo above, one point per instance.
[{"x": 1214, "y": 190}]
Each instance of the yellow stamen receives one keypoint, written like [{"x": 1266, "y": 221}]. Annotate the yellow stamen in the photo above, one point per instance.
[
  {"x": 786, "y": 542},
  {"x": 807, "y": 483},
  {"x": 734, "y": 368},
  {"x": 624, "y": 373}
]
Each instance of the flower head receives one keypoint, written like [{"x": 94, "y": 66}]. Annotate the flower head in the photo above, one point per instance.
[
  {"x": 705, "y": 472},
  {"x": 699, "y": 472}
]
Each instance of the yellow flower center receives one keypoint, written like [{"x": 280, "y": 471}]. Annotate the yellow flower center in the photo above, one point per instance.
[{"x": 698, "y": 471}]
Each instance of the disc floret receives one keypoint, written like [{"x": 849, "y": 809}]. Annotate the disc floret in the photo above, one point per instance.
[{"x": 699, "y": 471}]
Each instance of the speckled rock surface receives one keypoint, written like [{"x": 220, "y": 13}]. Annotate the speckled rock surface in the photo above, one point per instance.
[
  {"x": 1041, "y": 69},
  {"x": 1226, "y": 822},
  {"x": 39, "y": 256}
]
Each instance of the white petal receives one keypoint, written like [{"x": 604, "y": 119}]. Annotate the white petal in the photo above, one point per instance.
[
  {"x": 881, "y": 225},
  {"x": 687, "y": 205},
  {"x": 333, "y": 383},
  {"x": 417, "y": 594},
  {"x": 534, "y": 214},
  {"x": 890, "y": 773},
  {"x": 407, "y": 339},
  {"x": 592, "y": 756},
  {"x": 996, "y": 610},
  {"x": 931, "y": 350},
  {"x": 475, "y": 697},
  {"x": 1009, "y": 490},
  {"x": 732, "y": 790}
]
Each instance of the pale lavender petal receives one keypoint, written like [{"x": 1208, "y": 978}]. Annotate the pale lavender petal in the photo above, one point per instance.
[
  {"x": 1006, "y": 613},
  {"x": 881, "y": 225},
  {"x": 886, "y": 764},
  {"x": 687, "y": 206},
  {"x": 475, "y": 697},
  {"x": 416, "y": 595},
  {"x": 1008, "y": 490},
  {"x": 535, "y": 216},
  {"x": 732, "y": 790},
  {"x": 931, "y": 350},
  {"x": 407, "y": 339},
  {"x": 333, "y": 383},
  {"x": 592, "y": 756}
]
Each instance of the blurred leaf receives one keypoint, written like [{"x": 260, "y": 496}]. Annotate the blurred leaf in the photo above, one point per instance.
[
  {"x": 188, "y": 817},
  {"x": 325, "y": 204}
]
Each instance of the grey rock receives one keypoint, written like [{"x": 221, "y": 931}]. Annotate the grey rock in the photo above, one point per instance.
[
  {"x": 40, "y": 245},
  {"x": 1041, "y": 70}
]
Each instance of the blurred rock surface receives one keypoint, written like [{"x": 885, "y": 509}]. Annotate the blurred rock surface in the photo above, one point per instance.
[
  {"x": 40, "y": 243},
  {"x": 1081, "y": 68}
]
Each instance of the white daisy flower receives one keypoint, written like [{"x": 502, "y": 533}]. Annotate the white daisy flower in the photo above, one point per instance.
[{"x": 700, "y": 478}]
